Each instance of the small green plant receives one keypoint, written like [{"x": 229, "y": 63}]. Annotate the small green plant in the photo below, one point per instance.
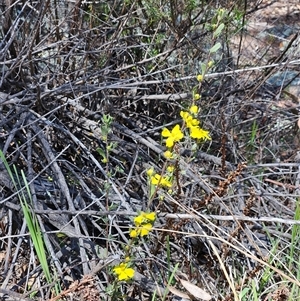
[
  {"x": 24, "y": 195},
  {"x": 187, "y": 134},
  {"x": 105, "y": 127},
  {"x": 293, "y": 258}
]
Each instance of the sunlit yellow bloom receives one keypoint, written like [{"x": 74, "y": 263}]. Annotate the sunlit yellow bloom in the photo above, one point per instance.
[
  {"x": 197, "y": 96},
  {"x": 192, "y": 122},
  {"x": 198, "y": 133},
  {"x": 199, "y": 78},
  {"x": 145, "y": 229},
  {"x": 170, "y": 168},
  {"x": 165, "y": 182},
  {"x": 210, "y": 64},
  {"x": 172, "y": 136},
  {"x": 194, "y": 109},
  {"x": 144, "y": 218},
  {"x": 168, "y": 154},
  {"x": 138, "y": 220},
  {"x": 133, "y": 233},
  {"x": 123, "y": 272},
  {"x": 150, "y": 171},
  {"x": 151, "y": 216},
  {"x": 158, "y": 179},
  {"x": 184, "y": 115},
  {"x": 188, "y": 118}
]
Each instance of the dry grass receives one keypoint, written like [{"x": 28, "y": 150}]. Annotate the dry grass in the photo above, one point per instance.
[{"x": 233, "y": 229}]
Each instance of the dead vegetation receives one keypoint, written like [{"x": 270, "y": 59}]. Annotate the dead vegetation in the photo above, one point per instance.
[{"x": 234, "y": 226}]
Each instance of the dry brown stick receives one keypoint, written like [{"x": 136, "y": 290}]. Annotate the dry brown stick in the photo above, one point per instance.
[{"x": 12, "y": 296}]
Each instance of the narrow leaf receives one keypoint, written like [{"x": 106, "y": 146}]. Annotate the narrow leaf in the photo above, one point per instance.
[
  {"x": 195, "y": 291},
  {"x": 203, "y": 68},
  {"x": 218, "y": 30},
  {"x": 178, "y": 293},
  {"x": 215, "y": 48}
]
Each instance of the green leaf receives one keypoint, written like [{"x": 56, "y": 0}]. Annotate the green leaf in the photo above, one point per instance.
[
  {"x": 218, "y": 31},
  {"x": 215, "y": 48},
  {"x": 203, "y": 68}
]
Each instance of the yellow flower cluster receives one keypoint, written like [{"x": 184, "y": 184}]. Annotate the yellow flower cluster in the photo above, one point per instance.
[
  {"x": 143, "y": 224},
  {"x": 123, "y": 271},
  {"x": 193, "y": 124},
  {"x": 157, "y": 179},
  {"x": 176, "y": 134}
]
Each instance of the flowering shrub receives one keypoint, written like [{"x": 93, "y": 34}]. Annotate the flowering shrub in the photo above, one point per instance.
[
  {"x": 143, "y": 223},
  {"x": 188, "y": 133}
]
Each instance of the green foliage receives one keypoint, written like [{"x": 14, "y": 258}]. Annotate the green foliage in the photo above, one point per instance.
[{"x": 25, "y": 198}]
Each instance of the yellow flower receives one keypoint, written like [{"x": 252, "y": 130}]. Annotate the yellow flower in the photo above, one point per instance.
[
  {"x": 199, "y": 78},
  {"x": 194, "y": 109},
  {"x": 133, "y": 233},
  {"x": 145, "y": 229},
  {"x": 123, "y": 272},
  {"x": 155, "y": 179},
  {"x": 143, "y": 218},
  {"x": 138, "y": 220},
  {"x": 163, "y": 181},
  {"x": 150, "y": 171},
  {"x": 198, "y": 133},
  {"x": 197, "y": 96},
  {"x": 143, "y": 223},
  {"x": 151, "y": 216},
  {"x": 210, "y": 64},
  {"x": 184, "y": 115},
  {"x": 170, "y": 168},
  {"x": 173, "y": 136},
  {"x": 188, "y": 118},
  {"x": 168, "y": 155}
]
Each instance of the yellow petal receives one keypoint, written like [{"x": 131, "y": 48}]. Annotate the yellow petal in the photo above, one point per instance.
[
  {"x": 168, "y": 154},
  {"x": 127, "y": 274},
  {"x": 151, "y": 216},
  {"x": 155, "y": 179},
  {"x": 165, "y": 132},
  {"x": 150, "y": 171},
  {"x": 199, "y": 78},
  {"x": 170, "y": 142},
  {"x": 198, "y": 133},
  {"x": 138, "y": 220},
  {"x": 133, "y": 233},
  {"x": 194, "y": 109},
  {"x": 146, "y": 229},
  {"x": 197, "y": 96}
]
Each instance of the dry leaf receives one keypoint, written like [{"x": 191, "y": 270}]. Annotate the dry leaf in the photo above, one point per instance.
[
  {"x": 195, "y": 291},
  {"x": 178, "y": 293}
]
